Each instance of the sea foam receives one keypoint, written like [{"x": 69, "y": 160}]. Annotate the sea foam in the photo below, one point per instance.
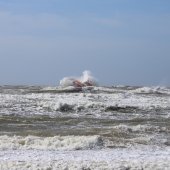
[{"x": 50, "y": 143}]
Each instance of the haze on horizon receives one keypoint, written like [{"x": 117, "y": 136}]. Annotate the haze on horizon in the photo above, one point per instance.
[{"x": 123, "y": 42}]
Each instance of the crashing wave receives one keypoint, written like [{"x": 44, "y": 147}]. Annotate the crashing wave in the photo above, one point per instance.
[{"x": 84, "y": 81}]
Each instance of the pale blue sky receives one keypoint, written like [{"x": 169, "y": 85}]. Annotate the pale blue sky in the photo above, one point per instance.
[{"x": 123, "y": 42}]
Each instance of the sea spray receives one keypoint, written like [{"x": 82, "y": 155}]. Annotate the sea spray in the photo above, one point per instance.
[{"x": 85, "y": 79}]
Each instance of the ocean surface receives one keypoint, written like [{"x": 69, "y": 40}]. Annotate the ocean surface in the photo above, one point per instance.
[{"x": 119, "y": 128}]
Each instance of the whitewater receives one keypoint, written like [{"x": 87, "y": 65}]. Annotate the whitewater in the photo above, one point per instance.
[{"x": 92, "y": 127}]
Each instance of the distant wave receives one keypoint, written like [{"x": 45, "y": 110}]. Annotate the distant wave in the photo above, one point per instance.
[{"x": 85, "y": 80}]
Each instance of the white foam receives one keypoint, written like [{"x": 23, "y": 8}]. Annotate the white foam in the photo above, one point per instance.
[
  {"x": 97, "y": 103},
  {"x": 141, "y": 128},
  {"x": 50, "y": 143},
  {"x": 103, "y": 101},
  {"x": 154, "y": 89},
  {"x": 119, "y": 159}
]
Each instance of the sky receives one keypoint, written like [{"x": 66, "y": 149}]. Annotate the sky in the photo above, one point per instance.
[{"x": 122, "y": 42}]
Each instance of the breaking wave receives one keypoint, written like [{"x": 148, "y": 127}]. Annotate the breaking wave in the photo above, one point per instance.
[{"x": 60, "y": 143}]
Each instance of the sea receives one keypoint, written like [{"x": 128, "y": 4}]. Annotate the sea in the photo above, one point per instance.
[{"x": 88, "y": 128}]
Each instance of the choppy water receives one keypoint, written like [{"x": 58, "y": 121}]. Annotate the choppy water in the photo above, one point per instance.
[{"x": 118, "y": 127}]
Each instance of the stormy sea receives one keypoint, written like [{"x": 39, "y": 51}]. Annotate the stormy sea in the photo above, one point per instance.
[{"x": 88, "y": 128}]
